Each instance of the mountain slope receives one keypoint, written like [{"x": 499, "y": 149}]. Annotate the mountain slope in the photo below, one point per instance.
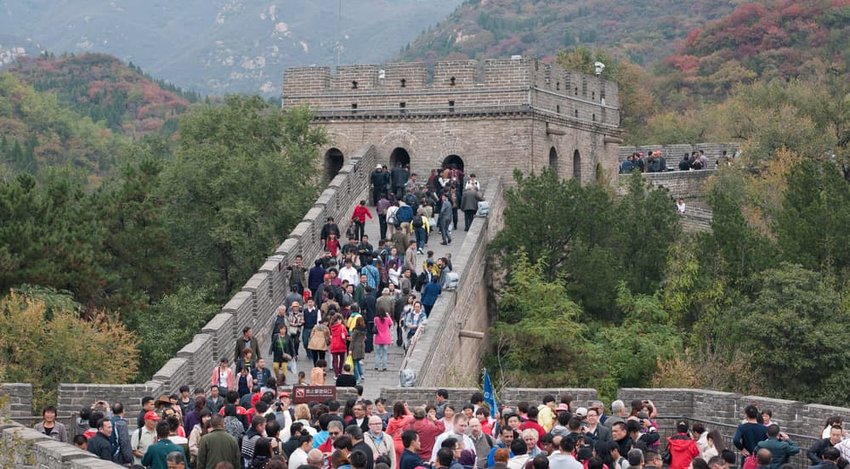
[
  {"x": 782, "y": 39},
  {"x": 643, "y": 30},
  {"x": 38, "y": 131},
  {"x": 105, "y": 89},
  {"x": 217, "y": 46}
]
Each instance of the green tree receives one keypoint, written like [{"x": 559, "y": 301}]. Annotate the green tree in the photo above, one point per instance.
[
  {"x": 544, "y": 217},
  {"x": 242, "y": 177},
  {"x": 538, "y": 338},
  {"x": 789, "y": 327},
  {"x": 646, "y": 225},
  {"x": 632, "y": 349},
  {"x": 169, "y": 325},
  {"x": 734, "y": 249},
  {"x": 140, "y": 249},
  {"x": 46, "y": 351},
  {"x": 812, "y": 225}
]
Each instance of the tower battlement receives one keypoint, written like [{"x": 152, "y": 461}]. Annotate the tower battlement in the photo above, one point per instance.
[{"x": 449, "y": 86}]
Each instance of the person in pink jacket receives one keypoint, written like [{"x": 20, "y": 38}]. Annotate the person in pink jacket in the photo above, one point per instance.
[
  {"x": 383, "y": 338},
  {"x": 222, "y": 376}
]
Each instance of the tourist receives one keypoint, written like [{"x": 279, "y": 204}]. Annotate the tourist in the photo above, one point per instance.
[
  {"x": 217, "y": 446},
  {"x": 50, "y": 427}
]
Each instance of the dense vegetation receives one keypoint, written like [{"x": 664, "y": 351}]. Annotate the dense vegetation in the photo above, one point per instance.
[
  {"x": 160, "y": 244},
  {"x": 642, "y": 31},
  {"x": 622, "y": 298},
  {"x": 103, "y": 88}
]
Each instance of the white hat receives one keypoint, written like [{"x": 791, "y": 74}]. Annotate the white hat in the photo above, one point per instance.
[{"x": 581, "y": 412}]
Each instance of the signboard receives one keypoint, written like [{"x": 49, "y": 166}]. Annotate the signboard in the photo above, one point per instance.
[{"x": 311, "y": 394}]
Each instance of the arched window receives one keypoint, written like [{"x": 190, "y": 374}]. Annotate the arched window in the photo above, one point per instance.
[
  {"x": 453, "y": 161},
  {"x": 399, "y": 156},
  {"x": 334, "y": 160},
  {"x": 553, "y": 160},
  {"x": 577, "y": 166}
]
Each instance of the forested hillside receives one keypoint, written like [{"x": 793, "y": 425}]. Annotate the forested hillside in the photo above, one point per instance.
[
  {"x": 643, "y": 30},
  {"x": 779, "y": 39},
  {"x": 39, "y": 131},
  {"x": 107, "y": 90},
  {"x": 158, "y": 245}
]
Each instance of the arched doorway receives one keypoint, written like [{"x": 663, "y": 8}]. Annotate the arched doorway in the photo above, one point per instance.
[
  {"x": 334, "y": 160},
  {"x": 399, "y": 156},
  {"x": 598, "y": 172},
  {"x": 553, "y": 161},
  {"x": 577, "y": 166},
  {"x": 453, "y": 161}
]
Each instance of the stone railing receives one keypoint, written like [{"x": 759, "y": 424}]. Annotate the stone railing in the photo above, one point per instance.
[
  {"x": 724, "y": 408},
  {"x": 255, "y": 305},
  {"x": 673, "y": 152},
  {"x": 458, "y": 324}
]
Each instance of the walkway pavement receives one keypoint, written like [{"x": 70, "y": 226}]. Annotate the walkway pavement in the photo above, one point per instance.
[{"x": 375, "y": 380}]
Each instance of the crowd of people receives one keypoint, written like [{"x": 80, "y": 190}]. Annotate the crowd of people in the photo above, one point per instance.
[
  {"x": 266, "y": 431},
  {"x": 357, "y": 298},
  {"x": 655, "y": 162}
]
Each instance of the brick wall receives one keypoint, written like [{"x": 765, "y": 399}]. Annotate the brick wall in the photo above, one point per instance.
[
  {"x": 31, "y": 449},
  {"x": 689, "y": 185},
  {"x": 255, "y": 305},
  {"x": 467, "y": 83},
  {"x": 19, "y": 403},
  {"x": 673, "y": 152},
  {"x": 433, "y": 357}
]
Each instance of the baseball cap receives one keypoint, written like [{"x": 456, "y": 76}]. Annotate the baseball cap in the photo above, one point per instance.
[
  {"x": 284, "y": 394},
  {"x": 563, "y": 408},
  {"x": 581, "y": 412},
  {"x": 151, "y": 415}
]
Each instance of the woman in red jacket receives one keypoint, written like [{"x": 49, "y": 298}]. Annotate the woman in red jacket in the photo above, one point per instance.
[
  {"x": 359, "y": 219},
  {"x": 339, "y": 345},
  {"x": 682, "y": 447}
]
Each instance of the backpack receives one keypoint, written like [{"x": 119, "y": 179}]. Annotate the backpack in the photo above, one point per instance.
[
  {"x": 404, "y": 214},
  {"x": 417, "y": 222}
]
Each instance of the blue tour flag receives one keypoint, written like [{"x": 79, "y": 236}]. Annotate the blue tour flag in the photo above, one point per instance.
[{"x": 489, "y": 394}]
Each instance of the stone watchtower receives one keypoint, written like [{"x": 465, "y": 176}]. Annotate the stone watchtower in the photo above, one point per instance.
[{"x": 486, "y": 118}]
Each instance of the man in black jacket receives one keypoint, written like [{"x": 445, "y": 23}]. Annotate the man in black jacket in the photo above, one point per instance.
[
  {"x": 815, "y": 453},
  {"x": 99, "y": 444}
]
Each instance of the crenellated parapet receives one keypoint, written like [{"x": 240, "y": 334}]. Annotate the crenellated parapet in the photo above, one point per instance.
[{"x": 453, "y": 87}]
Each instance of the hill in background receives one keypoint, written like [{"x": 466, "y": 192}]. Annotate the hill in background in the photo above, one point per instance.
[
  {"x": 220, "y": 46},
  {"x": 108, "y": 90},
  {"x": 81, "y": 111},
  {"x": 642, "y": 30}
]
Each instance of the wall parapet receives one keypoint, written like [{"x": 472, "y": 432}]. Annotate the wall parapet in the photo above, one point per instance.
[
  {"x": 254, "y": 305},
  {"x": 464, "y": 308}
]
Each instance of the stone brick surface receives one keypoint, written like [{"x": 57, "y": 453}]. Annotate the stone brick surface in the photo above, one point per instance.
[{"x": 495, "y": 116}]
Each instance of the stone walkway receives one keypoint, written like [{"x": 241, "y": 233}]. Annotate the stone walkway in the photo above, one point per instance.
[{"x": 375, "y": 380}]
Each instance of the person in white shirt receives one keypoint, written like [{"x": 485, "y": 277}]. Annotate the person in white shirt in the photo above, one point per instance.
[
  {"x": 299, "y": 456},
  {"x": 144, "y": 437},
  {"x": 461, "y": 422},
  {"x": 348, "y": 272},
  {"x": 564, "y": 459},
  {"x": 680, "y": 206},
  {"x": 520, "y": 454}
]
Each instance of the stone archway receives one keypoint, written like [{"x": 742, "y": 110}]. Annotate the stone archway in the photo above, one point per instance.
[
  {"x": 334, "y": 159},
  {"x": 577, "y": 166},
  {"x": 453, "y": 160},
  {"x": 553, "y": 161},
  {"x": 399, "y": 156}
]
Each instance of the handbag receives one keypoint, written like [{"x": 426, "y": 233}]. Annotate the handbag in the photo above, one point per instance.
[{"x": 349, "y": 360}]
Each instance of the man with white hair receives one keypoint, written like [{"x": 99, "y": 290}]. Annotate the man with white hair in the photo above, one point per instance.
[{"x": 618, "y": 408}]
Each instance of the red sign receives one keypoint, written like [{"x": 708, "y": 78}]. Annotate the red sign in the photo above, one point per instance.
[{"x": 311, "y": 394}]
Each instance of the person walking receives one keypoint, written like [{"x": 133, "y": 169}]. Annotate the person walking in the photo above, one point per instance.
[
  {"x": 359, "y": 219},
  {"x": 383, "y": 338},
  {"x": 217, "y": 446},
  {"x": 469, "y": 205}
]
